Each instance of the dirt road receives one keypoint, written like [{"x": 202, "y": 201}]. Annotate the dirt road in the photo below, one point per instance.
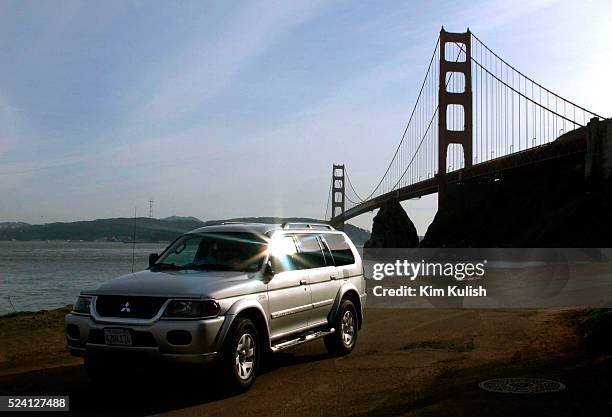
[{"x": 408, "y": 362}]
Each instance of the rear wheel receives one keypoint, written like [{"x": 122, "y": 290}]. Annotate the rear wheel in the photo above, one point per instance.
[
  {"x": 343, "y": 340},
  {"x": 241, "y": 355}
]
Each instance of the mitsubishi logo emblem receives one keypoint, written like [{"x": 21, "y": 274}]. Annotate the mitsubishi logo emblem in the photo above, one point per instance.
[{"x": 126, "y": 307}]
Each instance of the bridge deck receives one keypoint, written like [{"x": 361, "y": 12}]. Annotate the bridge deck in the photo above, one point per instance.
[{"x": 571, "y": 143}]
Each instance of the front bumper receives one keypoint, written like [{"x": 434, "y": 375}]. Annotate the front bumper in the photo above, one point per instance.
[{"x": 149, "y": 340}]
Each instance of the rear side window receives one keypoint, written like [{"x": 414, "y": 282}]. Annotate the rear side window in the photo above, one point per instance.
[
  {"x": 309, "y": 252},
  {"x": 340, "y": 250}
]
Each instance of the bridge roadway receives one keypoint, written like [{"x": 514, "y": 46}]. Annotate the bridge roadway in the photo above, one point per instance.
[{"x": 571, "y": 143}]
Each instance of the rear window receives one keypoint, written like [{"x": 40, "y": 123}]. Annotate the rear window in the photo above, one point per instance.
[{"x": 341, "y": 252}]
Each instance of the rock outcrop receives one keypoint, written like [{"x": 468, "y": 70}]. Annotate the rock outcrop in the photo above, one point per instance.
[{"x": 392, "y": 228}]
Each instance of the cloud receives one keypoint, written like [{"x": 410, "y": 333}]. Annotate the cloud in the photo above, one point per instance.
[
  {"x": 211, "y": 64},
  {"x": 484, "y": 19}
]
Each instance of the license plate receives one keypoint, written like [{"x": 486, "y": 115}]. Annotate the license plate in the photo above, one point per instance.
[{"x": 118, "y": 337}]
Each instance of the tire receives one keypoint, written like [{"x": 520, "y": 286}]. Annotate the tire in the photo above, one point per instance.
[
  {"x": 241, "y": 355},
  {"x": 343, "y": 340}
]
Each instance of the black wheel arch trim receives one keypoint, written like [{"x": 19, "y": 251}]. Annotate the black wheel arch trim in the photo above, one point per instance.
[
  {"x": 349, "y": 291},
  {"x": 245, "y": 308}
]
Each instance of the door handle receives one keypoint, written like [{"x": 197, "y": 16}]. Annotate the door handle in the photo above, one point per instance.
[
  {"x": 333, "y": 277},
  {"x": 302, "y": 282}
]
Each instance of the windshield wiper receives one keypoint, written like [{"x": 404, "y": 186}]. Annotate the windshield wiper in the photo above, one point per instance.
[
  {"x": 162, "y": 265},
  {"x": 211, "y": 267},
  {"x": 199, "y": 267}
]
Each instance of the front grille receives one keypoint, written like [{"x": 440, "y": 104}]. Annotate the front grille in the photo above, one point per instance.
[
  {"x": 128, "y": 306},
  {"x": 139, "y": 338}
]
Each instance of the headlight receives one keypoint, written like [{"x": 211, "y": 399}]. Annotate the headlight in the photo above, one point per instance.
[
  {"x": 189, "y": 308},
  {"x": 82, "y": 305}
]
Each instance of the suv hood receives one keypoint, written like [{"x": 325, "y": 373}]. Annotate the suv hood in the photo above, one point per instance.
[{"x": 185, "y": 283}]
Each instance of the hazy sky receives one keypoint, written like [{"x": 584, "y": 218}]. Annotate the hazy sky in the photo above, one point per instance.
[{"x": 230, "y": 108}]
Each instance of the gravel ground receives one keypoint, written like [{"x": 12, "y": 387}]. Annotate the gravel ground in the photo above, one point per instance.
[{"x": 407, "y": 363}]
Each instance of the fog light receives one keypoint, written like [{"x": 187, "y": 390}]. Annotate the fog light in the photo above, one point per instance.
[
  {"x": 179, "y": 337},
  {"x": 73, "y": 331}
]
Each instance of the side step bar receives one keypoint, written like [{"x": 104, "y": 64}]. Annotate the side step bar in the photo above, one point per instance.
[{"x": 302, "y": 339}]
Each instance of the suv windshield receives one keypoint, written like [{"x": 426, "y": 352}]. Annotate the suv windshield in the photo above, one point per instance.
[{"x": 224, "y": 251}]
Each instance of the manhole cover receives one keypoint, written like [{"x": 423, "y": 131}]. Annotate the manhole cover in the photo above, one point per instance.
[{"x": 521, "y": 385}]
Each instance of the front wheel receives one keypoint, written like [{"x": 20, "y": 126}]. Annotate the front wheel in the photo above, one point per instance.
[
  {"x": 241, "y": 355},
  {"x": 343, "y": 340}
]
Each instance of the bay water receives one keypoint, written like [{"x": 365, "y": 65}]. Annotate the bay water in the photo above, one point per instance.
[{"x": 45, "y": 275}]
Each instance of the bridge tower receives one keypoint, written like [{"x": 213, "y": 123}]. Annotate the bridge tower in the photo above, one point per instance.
[
  {"x": 338, "y": 193},
  {"x": 446, "y": 98}
]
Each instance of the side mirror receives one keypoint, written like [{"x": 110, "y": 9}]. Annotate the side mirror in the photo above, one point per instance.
[
  {"x": 269, "y": 270},
  {"x": 152, "y": 259}
]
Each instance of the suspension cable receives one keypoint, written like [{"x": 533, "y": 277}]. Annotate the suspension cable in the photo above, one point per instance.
[
  {"x": 351, "y": 185},
  {"x": 530, "y": 80},
  {"x": 418, "y": 147},
  {"x": 331, "y": 182},
  {"x": 355, "y": 203},
  {"x": 433, "y": 116},
  {"x": 409, "y": 121},
  {"x": 528, "y": 98},
  {"x": 533, "y": 81}
]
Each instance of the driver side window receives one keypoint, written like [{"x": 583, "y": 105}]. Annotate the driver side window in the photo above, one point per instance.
[{"x": 283, "y": 252}]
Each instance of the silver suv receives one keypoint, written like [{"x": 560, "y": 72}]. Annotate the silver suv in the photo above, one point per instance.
[{"x": 226, "y": 294}]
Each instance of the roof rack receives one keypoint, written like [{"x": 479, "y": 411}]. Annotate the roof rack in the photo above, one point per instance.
[
  {"x": 288, "y": 225},
  {"x": 233, "y": 222}
]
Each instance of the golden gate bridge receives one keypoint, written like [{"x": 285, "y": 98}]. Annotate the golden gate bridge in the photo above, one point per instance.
[{"x": 475, "y": 116}]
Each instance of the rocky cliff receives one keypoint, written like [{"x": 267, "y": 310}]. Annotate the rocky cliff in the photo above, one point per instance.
[{"x": 392, "y": 228}]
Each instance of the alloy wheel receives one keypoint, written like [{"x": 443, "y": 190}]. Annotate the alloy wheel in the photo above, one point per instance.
[
  {"x": 245, "y": 356},
  {"x": 348, "y": 328}
]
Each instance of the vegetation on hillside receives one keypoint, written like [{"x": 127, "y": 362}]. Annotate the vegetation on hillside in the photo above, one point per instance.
[{"x": 145, "y": 229}]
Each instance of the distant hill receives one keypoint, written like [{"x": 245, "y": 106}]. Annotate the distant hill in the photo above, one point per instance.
[
  {"x": 181, "y": 219},
  {"x": 147, "y": 229},
  {"x": 121, "y": 229},
  {"x": 12, "y": 225}
]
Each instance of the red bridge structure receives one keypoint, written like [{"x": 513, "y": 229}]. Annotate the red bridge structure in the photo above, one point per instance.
[{"x": 475, "y": 116}]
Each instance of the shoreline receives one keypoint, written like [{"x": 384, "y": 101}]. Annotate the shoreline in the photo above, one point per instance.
[{"x": 33, "y": 340}]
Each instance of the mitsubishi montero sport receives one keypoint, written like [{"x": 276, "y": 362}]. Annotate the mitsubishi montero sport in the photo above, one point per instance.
[{"x": 227, "y": 294}]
